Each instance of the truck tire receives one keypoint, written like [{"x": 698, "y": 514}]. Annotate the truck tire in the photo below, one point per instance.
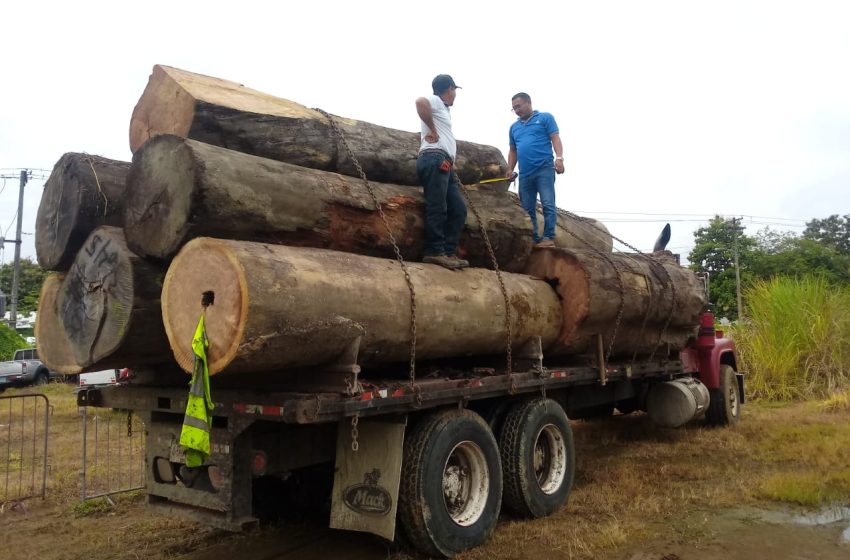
[
  {"x": 451, "y": 483},
  {"x": 724, "y": 408},
  {"x": 41, "y": 378},
  {"x": 538, "y": 458}
]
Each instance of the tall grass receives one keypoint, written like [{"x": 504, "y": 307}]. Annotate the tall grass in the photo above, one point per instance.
[{"x": 795, "y": 342}]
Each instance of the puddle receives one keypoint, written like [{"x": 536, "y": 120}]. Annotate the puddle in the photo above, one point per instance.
[{"x": 825, "y": 516}]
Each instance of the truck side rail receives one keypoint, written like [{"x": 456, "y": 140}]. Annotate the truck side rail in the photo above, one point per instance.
[{"x": 377, "y": 396}]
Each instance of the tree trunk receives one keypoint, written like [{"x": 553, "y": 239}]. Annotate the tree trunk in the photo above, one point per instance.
[
  {"x": 82, "y": 193},
  {"x": 53, "y": 346},
  {"x": 230, "y": 115},
  {"x": 593, "y": 285},
  {"x": 277, "y": 307},
  {"x": 109, "y": 305},
  {"x": 181, "y": 189}
]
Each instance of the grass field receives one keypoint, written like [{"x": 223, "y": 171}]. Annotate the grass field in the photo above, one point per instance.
[{"x": 633, "y": 481}]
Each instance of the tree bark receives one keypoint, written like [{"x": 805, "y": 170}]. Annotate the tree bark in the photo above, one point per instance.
[
  {"x": 230, "y": 115},
  {"x": 53, "y": 346},
  {"x": 82, "y": 193},
  {"x": 277, "y": 307},
  {"x": 181, "y": 189},
  {"x": 593, "y": 285},
  {"x": 109, "y": 305}
]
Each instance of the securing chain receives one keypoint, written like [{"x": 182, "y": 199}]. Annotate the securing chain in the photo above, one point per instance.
[
  {"x": 670, "y": 282},
  {"x": 396, "y": 250},
  {"x": 355, "y": 445},
  {"x": 129, "y": 423},
  {"x": 622, "y": 305},
  {"x": 495, "y": 264}
]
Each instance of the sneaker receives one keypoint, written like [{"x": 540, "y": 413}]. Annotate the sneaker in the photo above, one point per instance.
[
  {"x": 444, "y": 261},
  {"x": 545, "y": 244},
  {"x": 461, "y": 263}
]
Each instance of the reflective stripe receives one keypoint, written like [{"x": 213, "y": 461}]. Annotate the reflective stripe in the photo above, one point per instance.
[{"x": 198, "y": 423}]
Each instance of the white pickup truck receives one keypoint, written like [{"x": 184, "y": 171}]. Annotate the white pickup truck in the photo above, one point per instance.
[{"x": 25, "y": 369}]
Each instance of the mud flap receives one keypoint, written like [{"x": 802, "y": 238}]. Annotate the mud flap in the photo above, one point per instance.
[{"x": 366, "y": 481}]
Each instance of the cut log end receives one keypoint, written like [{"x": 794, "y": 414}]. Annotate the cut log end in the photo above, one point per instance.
[
  {"x": 53, "y": 347},
  {"x": 160, "y": 187},
  {"x": 569, "y": 278},
  {"x": 149, "y": 119},
  {"x": 188, "y": 285}
]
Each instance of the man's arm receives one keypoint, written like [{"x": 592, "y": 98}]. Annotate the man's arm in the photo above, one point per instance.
[
  {"x": 559, "y": 152},
  {"x": 511, "y": 161},
  {"x": 423, "y": 108}
]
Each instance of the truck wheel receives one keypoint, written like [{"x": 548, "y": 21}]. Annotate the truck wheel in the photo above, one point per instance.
[
  {"x": 538, "y": 458},
  {"x": 41, "y": 378},
  {"x": 724, "y": 408},
  {"x": 451, "y": 483}
]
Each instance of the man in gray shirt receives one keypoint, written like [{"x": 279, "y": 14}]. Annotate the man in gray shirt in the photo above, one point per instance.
[{"x": 445, "y": 211}]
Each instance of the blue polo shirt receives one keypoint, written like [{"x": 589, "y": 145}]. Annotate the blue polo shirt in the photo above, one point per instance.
[{"x": 533, "y": 143}]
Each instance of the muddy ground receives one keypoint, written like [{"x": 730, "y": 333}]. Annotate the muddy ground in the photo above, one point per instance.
[{"x": 640, "y": 493}]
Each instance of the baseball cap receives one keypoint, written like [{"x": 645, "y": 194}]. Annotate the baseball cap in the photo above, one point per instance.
[{"x": 441, "y": 83}]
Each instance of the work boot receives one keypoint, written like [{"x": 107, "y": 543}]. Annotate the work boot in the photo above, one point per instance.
[
  {"x": 443, "y": 260},
  {"x": 545, "y": 244},
  {"x": 461, "y": 263}
]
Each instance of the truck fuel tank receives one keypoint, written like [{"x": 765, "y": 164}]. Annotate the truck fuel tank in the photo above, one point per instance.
[{"x": 674, "y": 403}]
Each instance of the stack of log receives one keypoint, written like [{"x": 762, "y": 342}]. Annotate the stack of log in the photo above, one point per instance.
[{"x": 255, "y": 202}]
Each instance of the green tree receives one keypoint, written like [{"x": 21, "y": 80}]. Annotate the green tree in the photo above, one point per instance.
[
  {"x": 9, "y": 342},
  {"x": 789, "y": 255},
  {"x": 29, "y": 284},
  {"x": 714, "y": 253},
  {"x": 833, "y": 231}
]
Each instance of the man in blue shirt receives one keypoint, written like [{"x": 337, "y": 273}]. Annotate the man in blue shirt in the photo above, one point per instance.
[{"x": 533, "y": 137}]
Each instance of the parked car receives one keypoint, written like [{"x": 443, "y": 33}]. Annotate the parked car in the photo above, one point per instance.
[{"x": 25, "y": 369}]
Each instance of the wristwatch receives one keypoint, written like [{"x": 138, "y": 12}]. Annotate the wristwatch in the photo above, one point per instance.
[{"x": 559, "y": 158}]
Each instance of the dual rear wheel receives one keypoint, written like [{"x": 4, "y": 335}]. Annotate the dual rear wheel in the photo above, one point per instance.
[{"x": 456, "y": 474}]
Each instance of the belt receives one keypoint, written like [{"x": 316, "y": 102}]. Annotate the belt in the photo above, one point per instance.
[{"x": 436, "y": 151}]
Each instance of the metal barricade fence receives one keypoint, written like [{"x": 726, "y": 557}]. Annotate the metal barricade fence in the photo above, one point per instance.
[
  {"x": 24, "y": 430},
  {"x": 113, "y": 453}
]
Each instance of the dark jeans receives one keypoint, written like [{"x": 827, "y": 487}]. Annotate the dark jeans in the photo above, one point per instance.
[
  {"x": 445, "y": 211},
  {"x": 540, "y": 182}
]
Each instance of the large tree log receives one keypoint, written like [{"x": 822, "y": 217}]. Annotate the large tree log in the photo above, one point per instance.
[
  {"x": 109, "y": 305},
  {"x": 53, "y": 346},
  {"x": 180, "y": 189},
  {"x": 593, "y": 285},
  {"x": 228, "y": 114},
  {"x": 82, "y": 192},
  {"x": 277, "y": 307}
]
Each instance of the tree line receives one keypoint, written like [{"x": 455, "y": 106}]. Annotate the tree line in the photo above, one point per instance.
[{"x": 823, "y": 250}]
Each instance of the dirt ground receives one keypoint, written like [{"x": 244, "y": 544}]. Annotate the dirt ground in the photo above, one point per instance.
[{"x": 641, "y": 493}]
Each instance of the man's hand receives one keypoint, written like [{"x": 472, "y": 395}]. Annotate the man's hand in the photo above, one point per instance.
[
  {"x": 559, "y": 166},
  {"x": 432, "y": 137},
  {"x": 511, "y": 175}
]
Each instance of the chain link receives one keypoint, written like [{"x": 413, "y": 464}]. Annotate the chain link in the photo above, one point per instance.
[
  {"x": 396, "y": 250},
  {"x": 129, "y": 423},
  {"x": 621, "y": 307},
  {"x": 495, "y": 264},
  {"x": 355, "y": 445}
]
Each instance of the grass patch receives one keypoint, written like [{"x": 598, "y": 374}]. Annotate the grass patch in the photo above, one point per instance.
[{"x": 811, "y": 489}]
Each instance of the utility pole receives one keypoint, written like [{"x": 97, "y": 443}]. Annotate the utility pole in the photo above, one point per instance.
[
  {"x": 737, "y": 268},
  {"x": 13, "y": 308}
]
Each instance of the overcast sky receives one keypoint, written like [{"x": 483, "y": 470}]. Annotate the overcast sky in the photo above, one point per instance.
[{"x": 669, "y": 111}]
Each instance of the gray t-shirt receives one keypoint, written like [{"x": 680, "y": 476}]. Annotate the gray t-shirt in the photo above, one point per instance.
[{"x": 443, "y": 122}]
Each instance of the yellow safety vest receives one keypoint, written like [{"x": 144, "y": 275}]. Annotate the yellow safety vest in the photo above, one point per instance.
[{"x": 195, "y": 436}]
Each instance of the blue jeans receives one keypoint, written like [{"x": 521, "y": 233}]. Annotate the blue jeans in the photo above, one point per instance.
[
  {"x": 540, "y": 182},
  {"x": 445, "y": 211}
]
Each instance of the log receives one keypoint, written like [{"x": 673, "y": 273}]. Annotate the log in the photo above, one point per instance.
[
  {"x": 109, "y": 305},
  {"x": 180, "y": 189},
  {"x": 82, "y": 193},
  {"x": 230, "y": 115},
  {"x": 590, "y": 291},
  {"x": 278, "y": 307},
  {"x": 53, "y": 346}
]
